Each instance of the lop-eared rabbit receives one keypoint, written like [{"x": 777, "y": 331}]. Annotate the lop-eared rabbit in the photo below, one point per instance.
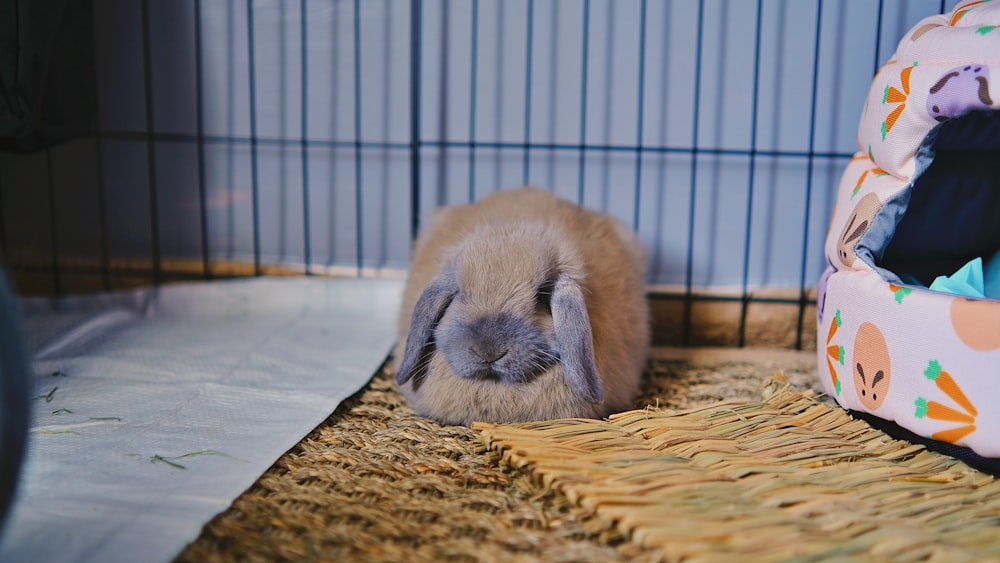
[{"x": 523, "y": 307}]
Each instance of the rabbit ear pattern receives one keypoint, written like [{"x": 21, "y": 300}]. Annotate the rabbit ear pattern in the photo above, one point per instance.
[
  {"x": 574, "y": 339},
  {"x": 427, "y": 313}
]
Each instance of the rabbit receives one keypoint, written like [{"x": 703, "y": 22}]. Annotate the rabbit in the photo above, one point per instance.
[{"x": 523, "y": 307}]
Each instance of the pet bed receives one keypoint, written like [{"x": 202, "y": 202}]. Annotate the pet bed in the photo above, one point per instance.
[{"x": 909, "y": 307}]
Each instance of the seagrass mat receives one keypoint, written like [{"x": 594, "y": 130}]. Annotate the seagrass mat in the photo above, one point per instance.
[
  {"x": 781, "y": 478},
  {"x": 377, "y": 483}
]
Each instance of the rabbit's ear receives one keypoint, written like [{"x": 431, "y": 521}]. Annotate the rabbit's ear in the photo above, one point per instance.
[
  {"x": 427, "y": 313},
  {"x": 574, "y": 339}
]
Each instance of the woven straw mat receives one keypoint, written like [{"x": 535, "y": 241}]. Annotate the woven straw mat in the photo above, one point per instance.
[{"x": 705, "y": 470}]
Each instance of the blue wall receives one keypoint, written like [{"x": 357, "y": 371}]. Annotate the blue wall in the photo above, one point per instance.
[{"x": 725, "y": 160}]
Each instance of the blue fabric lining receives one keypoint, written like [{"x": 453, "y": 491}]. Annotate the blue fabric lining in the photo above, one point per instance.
[{"x": 950, "y": 212}]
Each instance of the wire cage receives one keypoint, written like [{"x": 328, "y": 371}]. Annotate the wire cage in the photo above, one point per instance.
[{"x": 229, "y": 138}]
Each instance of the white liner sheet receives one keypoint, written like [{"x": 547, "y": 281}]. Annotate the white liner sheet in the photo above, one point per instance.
[{"x": 156, "y": 408}]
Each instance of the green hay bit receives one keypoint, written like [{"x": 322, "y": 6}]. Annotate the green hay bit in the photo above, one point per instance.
[
  {"x": 48, "y": 396},
  {"x": 170, "y": 460},
  {"x": 159, "y": 458}
]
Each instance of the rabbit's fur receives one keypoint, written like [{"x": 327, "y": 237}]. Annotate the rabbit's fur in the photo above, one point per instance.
[{"x": 522, "y": 307}]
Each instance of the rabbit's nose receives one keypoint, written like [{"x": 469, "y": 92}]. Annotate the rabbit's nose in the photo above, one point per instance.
[
  {"x": 489, "y": 338},
  {"x": 489, "y": 354}
]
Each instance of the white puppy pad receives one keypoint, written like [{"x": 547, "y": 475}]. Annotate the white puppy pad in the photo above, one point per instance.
[{"x": 155, "y": 408}]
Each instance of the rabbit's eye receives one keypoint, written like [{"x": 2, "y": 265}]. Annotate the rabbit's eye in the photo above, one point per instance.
[{"x": 543, "y": 297}]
